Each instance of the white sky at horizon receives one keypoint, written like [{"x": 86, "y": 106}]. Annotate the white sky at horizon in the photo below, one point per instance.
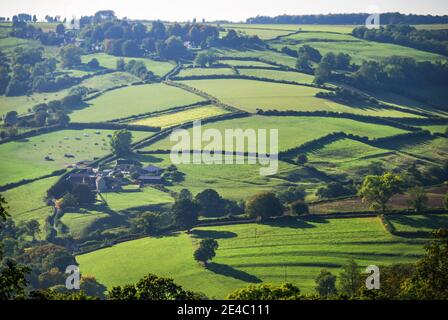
[{"x": 233, "y": 10}]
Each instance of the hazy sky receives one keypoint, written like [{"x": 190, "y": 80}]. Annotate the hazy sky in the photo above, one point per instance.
[{"x": 235, "y": 10}]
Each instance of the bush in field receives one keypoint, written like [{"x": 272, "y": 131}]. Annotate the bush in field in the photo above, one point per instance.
[
  {"x": 185, "y": 212},
  {"x": 264, "y": 205},
  {"x": 293, "y": 193},
  {"x": 206, "y": 250},
  {"x": 121, "y": 142}
]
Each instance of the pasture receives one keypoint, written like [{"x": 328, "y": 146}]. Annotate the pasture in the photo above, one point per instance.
[
  {"x": 292, "y": 131},
  {"x": 365, "y": 50},
  {"x": 159, "y": 68},
  {"x": 134, "y": 197},
  {"x": 25, "y": 159},
  {"x": 251, "y": 253},
  {"x": 133, "y": 100},
  {"x": 176, "y": 118},
  {"x": 204, "y": 72},
  {"x": 22, "y": 104},
  {"x": 250, "y": 95}
]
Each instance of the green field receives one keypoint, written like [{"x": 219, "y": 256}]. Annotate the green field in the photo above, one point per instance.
[
  {"x": 267, "y": 55},
  {"x": 133, "y": 100},
  {"x": 235, "y": 181},
  {"x": 250, "y": 95},
  {"x": 320, "y": 36},
  {"x": 21, "y": 104},
  {"x": 366, "y": 50},
  {"x": 245, "y": 63},
  {"x": 159, "y": 68},
  {"x": 135, "y": 197},
  {"x": 291, "y": 27},
  {"x": 27, "y": 202},
  {"x": 80, "y": 223},
  {"x": 418, "y": 223},
  {"x": 25, "y": 159},
  {"x": 204, "y": 72},
  {"x": 172, "y": 119},
  {"x": 251, "y": 253},
  {"x": 278, "y": 75}
]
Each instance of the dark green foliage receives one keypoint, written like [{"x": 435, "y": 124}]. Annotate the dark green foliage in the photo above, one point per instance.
[
  {"x": 335, "y": 190},
  {"x": 206, "y": 250},
  {"x": 326, "y": 283},
  {"x": 152, "y": 287},
  {"x": 264, "y": 291},
  {"x": 298, "y": 207},
  {"x": 291, "y": 194},
  {"x": 212, "y": 205},
  {"x": 121, "y": 142},
  {"x": 264, "y": 205},
  {"x": 185, "y": 213},
  {"x": 83, "y": 194}
]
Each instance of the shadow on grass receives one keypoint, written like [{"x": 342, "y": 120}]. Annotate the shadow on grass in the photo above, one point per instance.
[
  {"x": 228, "y": 271},
  {"x": 213, "y": 234}
]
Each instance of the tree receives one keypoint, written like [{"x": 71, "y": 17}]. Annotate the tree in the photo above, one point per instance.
[
  {"x": 299, "y": 207},
  {"x": 3, "y": 206},
  {"x": 130, "y": 48},
  {"x": 70, "y": 55},
  {"x": 146, "y": 222},
  {"x": 32, "y": 227},
  {"x": 93, "y": 63},
  {"x": 83, "y": 194},
  {"x": 301, "y": 159},
  {"x": 377, "y": 190},
  {"x": 430, "y": 279},
  {"x": 264, "y": 205},
  {"x": 293, "y": 193},
  {"x": 121, "y": 64},
  {"x": 211, "y": 203},
  {"x": 266, "y": 291},
  {"x": 12, "y": 280},
  {"x": 185, "y": 194},
  {"x": 322, "y": 73},
  {"x": 206, "y": 250},
  {"x": 334, "y": 190},
  {"x": 51, "y": 278},
  {"x": 202, "y": 59},
  {"x": 60, "y": 29},
  {"x": 185, "y": 213},
  {"x": 92, "y": 287},
  {"x": 11, "y": 118},
  {"x": 326, "y": 283},
  {"x": 418, "y": 199},
  {"x": 121, "y": 142},
  {"x": 69, "y": 201},
  {"x": 350, "y": 278},
  {"x": 152, "y": 287}
]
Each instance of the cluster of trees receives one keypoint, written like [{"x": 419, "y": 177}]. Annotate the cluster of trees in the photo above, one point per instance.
[
  {"x": 46, "y": 114},
  {"x": 204, "y": 59},
  {"x": 399, "y": 71},
  {"x": 208, "y": 203},
  {"x": 240, "y": 41},
  {"x": 27, "y": 71},
  {"x": 30, "y": 265},
  {"x": 136, "y": 68},
  {"x": 405, "y": 35},
  {"x": 21, "y": 29},
  {"x": 348, "y": 18},
  {"x": 335, "y": 190}
]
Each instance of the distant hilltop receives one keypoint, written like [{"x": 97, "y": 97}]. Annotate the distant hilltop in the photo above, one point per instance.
[{"x": 350, "y": 18}]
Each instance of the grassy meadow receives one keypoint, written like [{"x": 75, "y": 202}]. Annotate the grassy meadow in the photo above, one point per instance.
[
  {"x": 173, "y": 119},
  {"x": 133, "y": 100},
  {"x": 292, "y": 131},
  {"x": 25, "y": 159},
  {"x": 251, "y": 253},
  {"x": 250, "y": 95}
]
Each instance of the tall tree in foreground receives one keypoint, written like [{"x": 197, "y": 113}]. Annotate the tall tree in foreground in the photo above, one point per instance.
[
  {"x": 350, "y": 280},
  {"x": 326, "y": 283},
  {"x": 377, "y": 190},
  {"x": 121, "y": 142}
]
